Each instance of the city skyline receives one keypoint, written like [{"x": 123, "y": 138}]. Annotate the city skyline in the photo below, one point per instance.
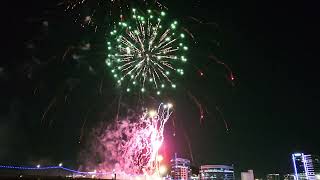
[{"x": 305, "y": 166}]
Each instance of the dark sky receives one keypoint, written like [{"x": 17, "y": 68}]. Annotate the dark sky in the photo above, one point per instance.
[{"x": 272, "y": 111}]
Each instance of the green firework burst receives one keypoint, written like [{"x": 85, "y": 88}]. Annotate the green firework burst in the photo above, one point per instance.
[{"x": 146, "y": 52}]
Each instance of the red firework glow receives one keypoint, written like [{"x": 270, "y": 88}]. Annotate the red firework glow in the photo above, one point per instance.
[{"x": 131, "y": 146}]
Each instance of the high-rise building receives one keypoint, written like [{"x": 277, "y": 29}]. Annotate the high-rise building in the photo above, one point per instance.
[
  {"x": 216, "y": 172},
  {"x": 247, "y": 175},
  {"x": 273, "y": 176},
  {"x": 306, "y": 166},
  {"x": 180, "y": 168}
]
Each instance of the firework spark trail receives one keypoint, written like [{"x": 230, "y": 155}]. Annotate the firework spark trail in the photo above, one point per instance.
[
  {"x": 199, "y": 105},
  {"x": 35, "y": 90},
  {"x": 101, "y": 85},
  {"x": 188, "y": 32},
  {"x": 97, "y": 11},
  {"x": 66, "y": 52},
  {"x": 53, "y": 101},
  {"x": 231, "y": 75},
  {"x": 174, "y": 127},
  {"x": 83, "y": 125},
  {"x": 131, "y": 145},
  {"x": 145, "y": 53},
  {"x": 118, "y": 107},
  {"x": 66, "y": 98},
  {"x": 224, "y": 120},
  {"x": 189, "y": 146},
  {"x": 202, "y": 22}
]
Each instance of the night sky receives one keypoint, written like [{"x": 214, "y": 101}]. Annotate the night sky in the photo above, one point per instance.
[{"x": 271, "y": 108}]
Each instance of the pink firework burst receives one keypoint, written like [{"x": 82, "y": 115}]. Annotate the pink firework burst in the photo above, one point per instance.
[{"x": 131, "y": 145}]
